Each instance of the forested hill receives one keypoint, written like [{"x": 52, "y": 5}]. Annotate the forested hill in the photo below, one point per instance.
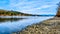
[{"x": 13, "y": 13}]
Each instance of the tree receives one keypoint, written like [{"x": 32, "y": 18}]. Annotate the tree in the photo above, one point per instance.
[{"x": 58, "y": 12}]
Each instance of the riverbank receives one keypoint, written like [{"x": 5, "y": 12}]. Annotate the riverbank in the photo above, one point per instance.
[{"x": 50, "y": 26}]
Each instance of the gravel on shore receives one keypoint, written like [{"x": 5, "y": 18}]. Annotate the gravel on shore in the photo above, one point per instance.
[{"x": 50, "y": 26}]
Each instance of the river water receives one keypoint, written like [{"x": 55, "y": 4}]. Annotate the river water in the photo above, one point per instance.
[{"x": 9, "y": 25}]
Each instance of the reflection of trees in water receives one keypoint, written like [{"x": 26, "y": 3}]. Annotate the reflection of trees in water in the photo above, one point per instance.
[{"x": 9, "y": 19}]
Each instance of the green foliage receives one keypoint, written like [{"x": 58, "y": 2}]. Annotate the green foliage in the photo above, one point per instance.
[{"x": 13, "y": 13}]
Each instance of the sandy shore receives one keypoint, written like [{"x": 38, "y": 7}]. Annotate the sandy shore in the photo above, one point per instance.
[{"x": 50, "y": 26}]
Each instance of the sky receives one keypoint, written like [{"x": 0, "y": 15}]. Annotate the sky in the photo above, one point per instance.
[{"x": 31, "y": 6}]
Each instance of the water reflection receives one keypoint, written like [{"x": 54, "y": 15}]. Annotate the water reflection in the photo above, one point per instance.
[{"x": 9, "y": 19}]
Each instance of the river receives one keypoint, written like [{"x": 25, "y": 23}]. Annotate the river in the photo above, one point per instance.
[{"x": 9, "y": 25}]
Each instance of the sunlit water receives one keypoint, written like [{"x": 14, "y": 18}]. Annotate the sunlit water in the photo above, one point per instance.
[{"x": 14, "y": 25}]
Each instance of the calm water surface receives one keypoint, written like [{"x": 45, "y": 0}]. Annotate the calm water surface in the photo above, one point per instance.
[{"x": 9, "y": 25}]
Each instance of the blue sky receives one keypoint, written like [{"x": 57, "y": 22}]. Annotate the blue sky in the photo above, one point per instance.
[{"x": 30, "y": 6}]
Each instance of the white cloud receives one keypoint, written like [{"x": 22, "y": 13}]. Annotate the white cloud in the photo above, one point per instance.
[
  {"x": 14, "y": 4},
  {"x": 32, "y": 6},
  {"x": 46, "y": 6},
  {"x": 39, "y": 11},
  {"x": 41, "y": 7}
]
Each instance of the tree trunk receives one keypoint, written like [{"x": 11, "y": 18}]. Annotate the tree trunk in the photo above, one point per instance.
[{"x": 58, "y": 13}]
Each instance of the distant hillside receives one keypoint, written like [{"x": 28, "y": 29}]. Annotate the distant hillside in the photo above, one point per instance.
[{"x": 13, "y": 13}]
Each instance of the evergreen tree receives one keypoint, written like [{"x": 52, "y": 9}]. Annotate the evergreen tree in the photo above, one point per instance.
[{"x": 58, "y": 12}]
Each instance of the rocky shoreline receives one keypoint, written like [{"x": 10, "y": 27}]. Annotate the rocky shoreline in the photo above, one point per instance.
[{"x": 50, "y": 26}]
